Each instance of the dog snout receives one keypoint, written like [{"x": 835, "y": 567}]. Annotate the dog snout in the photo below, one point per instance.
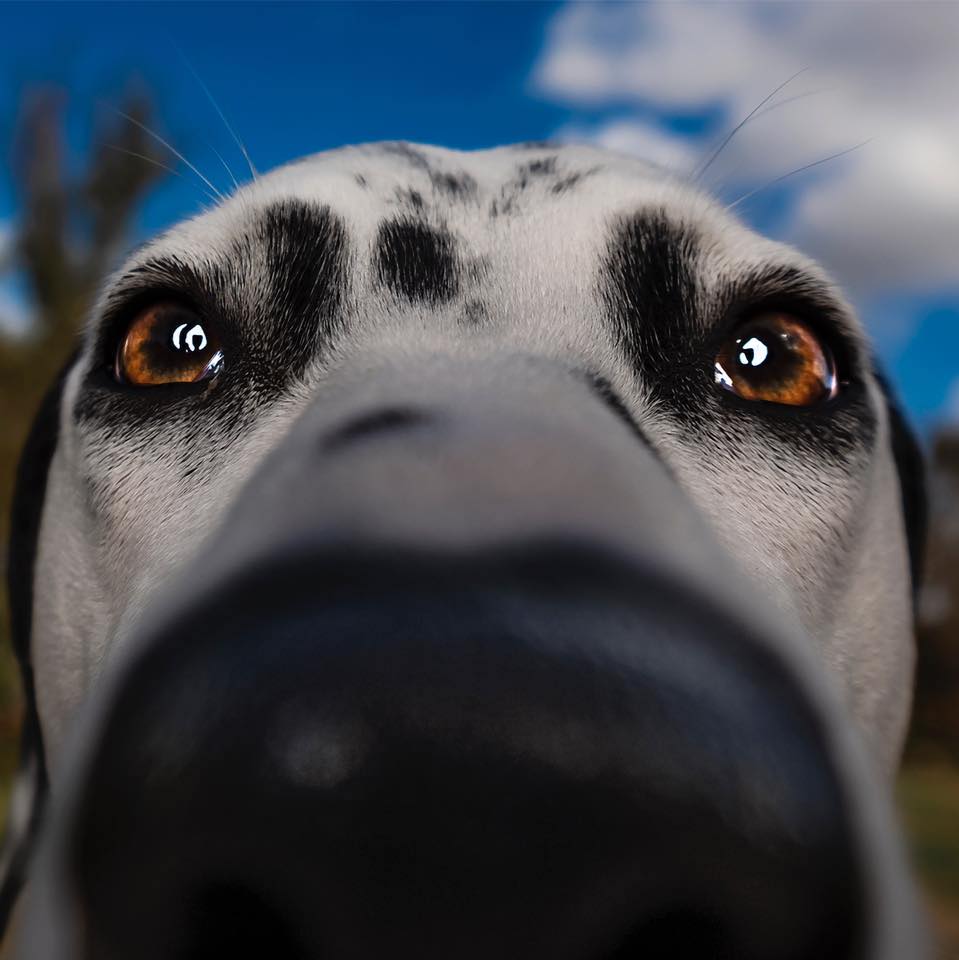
[
  {"x": 463, "y": 675},
  {"x": 533, "y": 751}
]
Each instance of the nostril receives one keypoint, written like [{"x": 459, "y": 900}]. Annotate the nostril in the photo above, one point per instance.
[
  {"x": 691, "y": 932},
  {"x": 376, "y": 421},
  {"x": 230, "y": 921},
  {"x": 680, "y": 933}
]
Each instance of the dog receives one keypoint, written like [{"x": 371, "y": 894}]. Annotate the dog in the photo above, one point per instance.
[{"x": 449, "y": 554}]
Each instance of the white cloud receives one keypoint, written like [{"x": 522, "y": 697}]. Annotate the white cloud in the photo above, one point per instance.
[
  {"x": 885, "y": 217},
  {"x": 625, "y": 136},
  {"x": 891, "y": 219}
]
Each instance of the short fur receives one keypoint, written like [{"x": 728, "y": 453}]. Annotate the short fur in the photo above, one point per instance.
[{"x": 602, "y": 262}]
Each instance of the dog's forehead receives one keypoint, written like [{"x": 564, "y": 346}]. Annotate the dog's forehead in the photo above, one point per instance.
[{"x": 540, "y": 210}]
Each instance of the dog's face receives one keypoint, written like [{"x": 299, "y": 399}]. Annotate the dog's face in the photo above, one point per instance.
[
  {"x": 732, "y": 359},
  {"x": 597, "y": 262}
]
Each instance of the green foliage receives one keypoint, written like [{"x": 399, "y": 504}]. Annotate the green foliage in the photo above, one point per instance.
[
  {"x": 936, "y": 713},
  {"x": 928, "y": 793}
]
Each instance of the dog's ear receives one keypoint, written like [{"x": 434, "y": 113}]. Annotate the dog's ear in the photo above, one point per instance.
[
  {"x": 30, "y": 786},
  {"x": 911, "y": 467}
]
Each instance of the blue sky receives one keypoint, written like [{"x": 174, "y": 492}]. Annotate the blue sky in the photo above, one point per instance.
[{"x": 664, "y": 81}]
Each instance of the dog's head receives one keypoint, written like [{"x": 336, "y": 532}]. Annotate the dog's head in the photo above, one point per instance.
[{"x": 496, "y": 554}]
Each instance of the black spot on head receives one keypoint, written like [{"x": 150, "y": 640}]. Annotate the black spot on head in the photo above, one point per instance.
[
  {"x": 543, "y": 171},
  {"x": 410, "y": 198},
  {"x": 652, "y": 290},
  {"x": 415, "y": 158},
  {"x": 535, "y": 145},
  {"x": 566, "y": 183},
  {"x": 306, "y": 262},
  {"x": 417, "y": 261},
  {"x": 455, "y": 186},
  {"x": 527, "y": 172},
  {"x": 544, "y": 167},
  {"x": 474, "y": 313},
  {"x": 360, "y": 180}
]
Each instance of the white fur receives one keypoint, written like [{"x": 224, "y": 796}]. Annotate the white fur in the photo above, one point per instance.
[{"x": 102, "y": 558}]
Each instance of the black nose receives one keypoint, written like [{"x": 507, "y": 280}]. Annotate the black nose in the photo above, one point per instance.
[
  {"x": 537, "y": 751},
  {"x": 463, "y": 675}
]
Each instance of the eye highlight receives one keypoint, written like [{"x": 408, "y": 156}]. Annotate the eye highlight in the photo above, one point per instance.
[
  {"x": 166, "y": 343},
  {"x": 777, "y": 358}
]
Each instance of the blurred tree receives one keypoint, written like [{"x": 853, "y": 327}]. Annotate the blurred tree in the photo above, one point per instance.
[
  {"x": 936, "y": 714},
  {"x": 70, "y": 229},
  {"x": 929, "y": 783}
]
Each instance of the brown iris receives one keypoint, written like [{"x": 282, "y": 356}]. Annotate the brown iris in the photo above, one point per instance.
[
  {"x": 777, "y": 358},
  {"x": 167, "y": 343}
]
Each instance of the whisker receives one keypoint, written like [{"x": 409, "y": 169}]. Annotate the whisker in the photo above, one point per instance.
[
  {"x": 792, "y": 173},
  {"x": 143, "y": 156},
  {"x": 173, "y": 150},
  {"x": 220, "y": 113},
  {"x": 793, "y": 99},
  {"x": 698, "y": 174},
  {"x": 152, "y": 160},
  {"x": 226, "y": 166}
]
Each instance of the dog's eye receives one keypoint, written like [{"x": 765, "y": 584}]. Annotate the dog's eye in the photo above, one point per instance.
[
  {"x": 167, "y": 343},
  {"x": 777, "y": 358}
]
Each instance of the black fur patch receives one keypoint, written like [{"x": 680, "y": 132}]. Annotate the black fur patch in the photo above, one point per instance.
[
  {"x": 417, "y": 261},
  {"x": 415, "y": 158},
  {"x": 652, "y": 291},
  {"x": 27, "y": 510},
  {"x": 28, "y": 501},
  {"x": 655, "y": 308},
  {"x": 305, "y": 247},
  {"x": 565, "y": 184},
  {"x": 911, "y": 468},
  {"x": 410, "y": 198},
  {"x": 543, "y": 167},
  {"x": 544, "y": 171},
  {"x": 474, "y": 313},
  {"x": 360, "y": 180},
  {"x": 455, "y": 186},
  {"x": 272, "y": 323}
]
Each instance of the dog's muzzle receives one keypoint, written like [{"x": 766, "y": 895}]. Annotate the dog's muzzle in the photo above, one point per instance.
[{"x": 464, "y": 675}]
